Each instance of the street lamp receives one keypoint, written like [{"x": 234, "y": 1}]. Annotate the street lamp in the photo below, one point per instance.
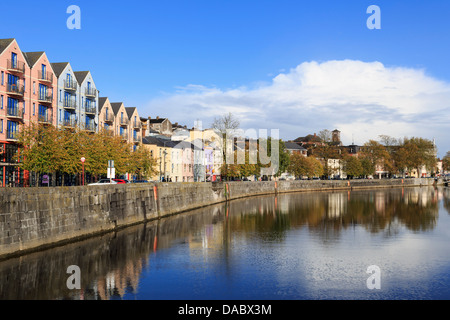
[{"x": 83, "y": 160}]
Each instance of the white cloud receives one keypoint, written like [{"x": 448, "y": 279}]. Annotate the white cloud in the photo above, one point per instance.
[{"x": 361, "y": 99}]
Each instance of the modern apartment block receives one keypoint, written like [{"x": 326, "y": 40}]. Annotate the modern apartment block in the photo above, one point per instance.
[
  {"x": 68, "y": 108},
  {"x": 14, "y": 108},
  {"x": 88, "y": 100},
  {"x": 42, "y": 89},
  {"x": 106, "y": 116},
  {"x": 121, "y": 123},
  {"x": 135, "y": 127}
]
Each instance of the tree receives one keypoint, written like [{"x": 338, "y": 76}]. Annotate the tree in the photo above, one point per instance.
[
  {"x": 325, "y": 135},
  {"x": 446, "y": 162},
  {"x": 353, "y": 167},
  {"x": 374, "y": 154},
  {"x": 297, "y": 165},
  {"x": 414, "y": 153}
]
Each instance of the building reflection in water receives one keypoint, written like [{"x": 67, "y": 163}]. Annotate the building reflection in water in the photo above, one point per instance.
[{"x": 112, "y": 265}]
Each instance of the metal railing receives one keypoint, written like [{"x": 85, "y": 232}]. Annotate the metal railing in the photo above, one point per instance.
[
  {"x": 16, "y": 66},
  {"x": 70, "y": 104},
  {"x": 46, "y": 98},
  {"x": 12, "y": 135},
  {"x": 89, "y": 127},
  {"x": 91, "y": 92},
  {"x": 123, "y": 121},
  {"x": 14, "y": 112},
  {"x": 45, "y": 118},
  {"x": 70, "y": 85},
  {"x": 109, "y": 118},
  {"x": 45, "y": 76},
  {"x": 70, "y": 123},
  {"x": 16, "y": 89},
  {"x": 91, "y": 110}
]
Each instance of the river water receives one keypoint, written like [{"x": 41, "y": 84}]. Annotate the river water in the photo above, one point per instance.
[{"x": 302, "y": 246}]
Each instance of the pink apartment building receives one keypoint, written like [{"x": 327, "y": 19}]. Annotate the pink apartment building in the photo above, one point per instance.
[
  {"x": 14, "y": 109},
  {"x": 27, "y": 82}
]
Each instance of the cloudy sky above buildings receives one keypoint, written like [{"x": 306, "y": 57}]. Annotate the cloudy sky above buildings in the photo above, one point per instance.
[{"x": 296, "y": 66}]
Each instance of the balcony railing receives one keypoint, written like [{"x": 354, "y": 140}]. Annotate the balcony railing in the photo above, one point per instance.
[
  {"x": 14, "y": 112},
  {"x": 91, "y": 110},
  {"x": 46, "y": 76},
  {"x": 12, "y": 135},
  {"x": 70, "y": 104},
  {"x": 89, "y": 127},
  {"x": 137, "y": 125},
  {"x": 16, "y": 66},
  {"x": 45, "y": 98},
  {"x": 91, "y": 92},
  {"x": 124, "y": 136},
  {"x": 45, "y": 118},
  {"x": 109, "y": 118},
  {"x": 123, "y": 121},
  {"x": 70, "y": 85},
  {"x": 15, "y": 89},
  {"x": 70, "y": 123},
  {"x": 137, "y": 139}
]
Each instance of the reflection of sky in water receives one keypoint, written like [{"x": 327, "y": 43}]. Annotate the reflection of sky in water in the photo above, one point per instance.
[
  {"x": 304, "y": 264},
  {"x": 299, "y": 246}
]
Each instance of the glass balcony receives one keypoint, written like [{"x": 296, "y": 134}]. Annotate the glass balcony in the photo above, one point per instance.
[{"x": 109, "y": 118}]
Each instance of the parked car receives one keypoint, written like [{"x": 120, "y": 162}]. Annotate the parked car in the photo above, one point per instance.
[
  {"x": 121, "y": 181},
  {"x": 102, "y": 182}
]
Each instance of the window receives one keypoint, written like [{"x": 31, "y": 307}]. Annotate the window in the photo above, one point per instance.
[
  {"x": 3, "y": 78},
  {"x": 14, "y": 59},
  {"x": 2, "y": 103},
  {"x": 34, "y": 109},
  {"x": 34, "y": 87},
  {"x": 1, "y": 126}
]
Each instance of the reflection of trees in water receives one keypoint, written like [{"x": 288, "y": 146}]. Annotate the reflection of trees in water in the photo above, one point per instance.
[
  {"x": 446, "y": 194},
  {"x": 327, "y": 214}
]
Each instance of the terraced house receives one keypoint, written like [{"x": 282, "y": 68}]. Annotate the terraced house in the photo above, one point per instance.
[
  {"x": 68, "y": 108},
  {"x": 135, "y": 127},
  {"x": 88, "y": 99},
  {"x": 14, "y": 108},
  {"x": 106, "y": 116}
]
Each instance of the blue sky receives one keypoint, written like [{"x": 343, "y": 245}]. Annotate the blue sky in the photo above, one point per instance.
[{"x": 197, "y": 59}]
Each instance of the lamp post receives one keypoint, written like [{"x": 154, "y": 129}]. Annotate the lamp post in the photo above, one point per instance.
[{"x": 83, "y": 160}]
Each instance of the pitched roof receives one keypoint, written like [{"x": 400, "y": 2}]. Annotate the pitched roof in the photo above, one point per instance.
[
  {"x": 59, "y": 67},
  {"x": 130, "y": 111},
  {"x": 32, "y": 57},
  {"x": 101, "y": 102},
  {"x": 116, "y": 107},
  {"x": 160, "y": 120},
  {"x": 159, "y": 141},
  {"x": 293, "y": 146},
  {"x": 81, "y": 76},
  {"x": 4, "y": 43}
]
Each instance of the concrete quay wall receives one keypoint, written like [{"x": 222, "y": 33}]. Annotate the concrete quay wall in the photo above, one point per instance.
[{"x": 37, "y": 218}]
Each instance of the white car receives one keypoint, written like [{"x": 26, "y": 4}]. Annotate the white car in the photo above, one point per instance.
[{"x": 102, "y": 182}]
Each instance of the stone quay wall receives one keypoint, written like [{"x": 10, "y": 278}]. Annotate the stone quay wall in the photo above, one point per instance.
[{"x": 33, "y": 219}]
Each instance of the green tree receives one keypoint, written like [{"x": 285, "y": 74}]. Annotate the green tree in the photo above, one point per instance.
[{"x": 353, "y": 167}]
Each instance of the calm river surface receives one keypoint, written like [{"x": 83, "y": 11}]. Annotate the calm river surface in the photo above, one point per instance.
[{"x": 305, "y": 246}]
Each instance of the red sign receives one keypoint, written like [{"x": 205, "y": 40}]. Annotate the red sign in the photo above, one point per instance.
[{"x": 83, "y": 160}]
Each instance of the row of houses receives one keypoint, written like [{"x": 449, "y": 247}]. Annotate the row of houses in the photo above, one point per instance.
[{"x": 34, "y": 89}]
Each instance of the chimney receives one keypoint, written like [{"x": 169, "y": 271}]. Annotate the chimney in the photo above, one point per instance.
[
  {"x": 315, "y": 135},
  {"x": 157, "y": 118}
]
